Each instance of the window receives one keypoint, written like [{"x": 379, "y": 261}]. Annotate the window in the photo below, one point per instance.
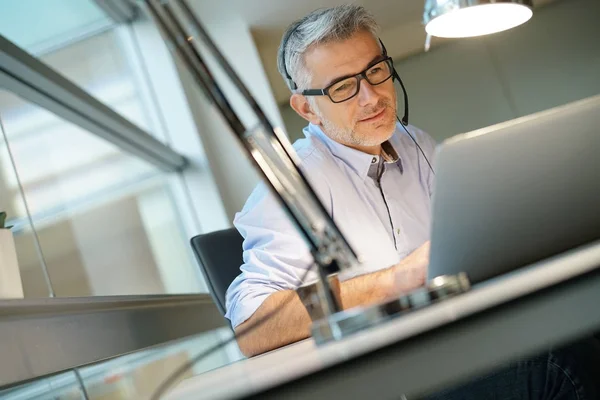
[{"x": 105, "y": 220}]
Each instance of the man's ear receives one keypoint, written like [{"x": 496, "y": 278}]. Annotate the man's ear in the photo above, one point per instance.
[{"x": 303, "y": 109}]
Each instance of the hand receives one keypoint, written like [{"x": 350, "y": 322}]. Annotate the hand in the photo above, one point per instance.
[{"x": 411, "y": 272}]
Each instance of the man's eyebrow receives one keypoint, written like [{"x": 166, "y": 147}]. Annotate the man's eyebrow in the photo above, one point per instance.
[{"x": 375, "y": 60}]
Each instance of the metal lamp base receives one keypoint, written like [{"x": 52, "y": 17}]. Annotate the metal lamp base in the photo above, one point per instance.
[{"x": 345, "y": 323}]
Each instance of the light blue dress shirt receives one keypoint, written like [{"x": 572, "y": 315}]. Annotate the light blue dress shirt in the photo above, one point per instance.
[{"x": 383, "y": 219}]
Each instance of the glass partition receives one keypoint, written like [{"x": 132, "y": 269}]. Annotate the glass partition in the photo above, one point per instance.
[
  {"x": 138, "y": 375},
  {"x": 63, "y": 386},
  {"x": 104, "y": 220},
  {"x": 133, "y": 376},
  {"x": 90, "y": 218},
  {"x": 51, "y": 24}
]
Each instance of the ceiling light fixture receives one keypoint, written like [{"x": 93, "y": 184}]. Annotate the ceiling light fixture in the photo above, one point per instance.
[{"x": 468, "y": 18}]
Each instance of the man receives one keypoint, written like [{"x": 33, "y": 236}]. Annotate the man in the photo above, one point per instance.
[
  {"x": 378, "y": 194},
  {"x": 363, "y": 165}
]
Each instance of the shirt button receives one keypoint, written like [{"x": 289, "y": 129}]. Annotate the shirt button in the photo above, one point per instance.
[{"x": 374, "y": 160}]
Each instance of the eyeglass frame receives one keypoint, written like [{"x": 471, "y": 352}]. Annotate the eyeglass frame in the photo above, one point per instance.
[{"x": 359, "y": 77}]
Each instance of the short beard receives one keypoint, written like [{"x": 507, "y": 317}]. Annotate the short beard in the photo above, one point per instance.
[{"x": 349, "y": 136}]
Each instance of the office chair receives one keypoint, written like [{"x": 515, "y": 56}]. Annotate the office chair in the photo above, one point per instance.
[{"x": 219, "y": 254}]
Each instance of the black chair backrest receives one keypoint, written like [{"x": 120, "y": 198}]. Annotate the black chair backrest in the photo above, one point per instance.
[{"x": 220, "y": 257}]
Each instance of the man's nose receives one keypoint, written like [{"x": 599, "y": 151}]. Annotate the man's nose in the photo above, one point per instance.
[{"x": 367, "y": 94}]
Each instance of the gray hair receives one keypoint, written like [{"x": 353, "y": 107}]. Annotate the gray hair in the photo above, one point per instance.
[{"x": 319, "y": 27}]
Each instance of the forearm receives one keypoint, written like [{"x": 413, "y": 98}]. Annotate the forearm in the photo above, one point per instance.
[
  {"x": 377, "y": 287},
  {"x": 281, "y": 319},
  {"x": 367, "y": 289}
]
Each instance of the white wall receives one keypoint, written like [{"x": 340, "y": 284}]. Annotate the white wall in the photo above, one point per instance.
[
  {"x": 173, "y": 118},
  {"x": 233, "y": 172}
]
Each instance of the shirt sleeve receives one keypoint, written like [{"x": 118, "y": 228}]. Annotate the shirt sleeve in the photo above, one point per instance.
[{"x": 275, "y": 255}]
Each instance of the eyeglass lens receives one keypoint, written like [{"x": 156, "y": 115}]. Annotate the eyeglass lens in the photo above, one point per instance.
[{"x": 347, "y": 88}]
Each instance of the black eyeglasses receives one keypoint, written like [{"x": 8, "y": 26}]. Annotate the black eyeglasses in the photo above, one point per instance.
[{"x": 347, "y": 88}]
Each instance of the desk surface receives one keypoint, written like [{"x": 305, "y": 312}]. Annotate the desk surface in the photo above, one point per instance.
[{"x": 524, "y": 312}]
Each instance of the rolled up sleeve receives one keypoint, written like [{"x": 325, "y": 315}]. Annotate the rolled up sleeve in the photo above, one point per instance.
[{"x": 275, "y": 256}]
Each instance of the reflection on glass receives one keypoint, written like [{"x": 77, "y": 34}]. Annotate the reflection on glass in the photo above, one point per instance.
[
  {"x": 104, "y": 70},
  {"x": 39, "y": 26},
  {"x": 11, "y": 201},
  {"x": 60, "y": 387},
  {"x": 138, "y": 375},
  {"x": 133, "y": 376},
  {"x": 79, "y": 41},
  {"x": 48, "y": 149},
  {"x": 105, "y": 220}
]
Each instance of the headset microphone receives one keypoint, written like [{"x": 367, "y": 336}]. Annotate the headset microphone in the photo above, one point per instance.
[
  {"x": 397, "y": 77},
  {"x": 404, "y": 120}
]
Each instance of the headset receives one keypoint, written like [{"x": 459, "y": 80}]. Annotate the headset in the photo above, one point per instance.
[{"x": 395, "y": 76}]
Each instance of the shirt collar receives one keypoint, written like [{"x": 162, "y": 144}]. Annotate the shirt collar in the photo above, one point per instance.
[{"x": 357, "y": 160}]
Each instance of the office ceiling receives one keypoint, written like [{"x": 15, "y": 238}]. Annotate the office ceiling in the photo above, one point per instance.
[{"x": 275, "y": 15}]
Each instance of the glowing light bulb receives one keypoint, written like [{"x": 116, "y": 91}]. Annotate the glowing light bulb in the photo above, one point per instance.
[{"x": 477, "y": 20}]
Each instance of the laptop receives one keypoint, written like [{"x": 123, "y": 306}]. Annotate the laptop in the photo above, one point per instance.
[{"x": 518, "y": 192}]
